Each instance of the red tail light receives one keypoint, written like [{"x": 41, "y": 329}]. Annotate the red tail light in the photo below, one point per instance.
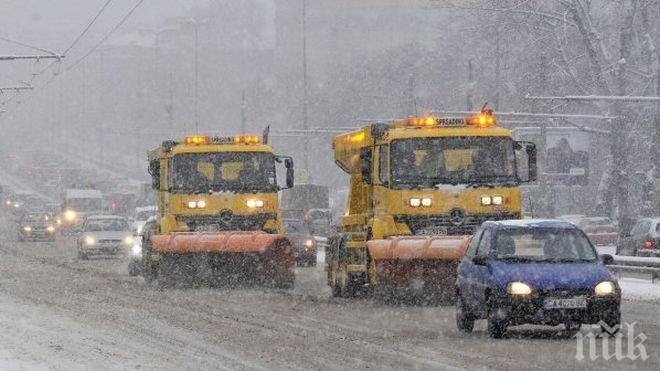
[{"x": 648, "y": 244}]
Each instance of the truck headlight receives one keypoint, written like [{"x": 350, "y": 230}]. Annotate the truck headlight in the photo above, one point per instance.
[
  {"x": 50, "y": 229},
  {"x": 486, "y": 200},
  {"x": 518, "y": 288},
  {"x": 604, "y": 288},
  {"x": 70, "y": 215},
  {"x": 426, "y": 201},
  {"x": 415, "y": 202},
  {"x": 89, "y": 241},
  {"x": 252, "y": 203},
  {"x": 498, "y": 200},
  {"x": 128, "y": 240},
  {"x": 27, "y": 228},
  {"x": 196, "y": 204}
]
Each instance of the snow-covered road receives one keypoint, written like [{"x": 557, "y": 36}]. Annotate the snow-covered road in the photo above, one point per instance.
[{"x": 57, "y": 312}]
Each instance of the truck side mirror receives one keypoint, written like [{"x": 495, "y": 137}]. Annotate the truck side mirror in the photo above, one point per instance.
[
  {"x": 530, "y": 153},
  {"x": 288, "y": 163}
]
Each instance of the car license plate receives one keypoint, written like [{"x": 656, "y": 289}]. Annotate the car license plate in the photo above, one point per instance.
[
  {"x": 433, "y": 231},
  {"x": 569, "y": 303}
]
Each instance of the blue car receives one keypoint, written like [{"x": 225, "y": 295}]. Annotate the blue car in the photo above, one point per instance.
[{"x": 534, "y": 272}]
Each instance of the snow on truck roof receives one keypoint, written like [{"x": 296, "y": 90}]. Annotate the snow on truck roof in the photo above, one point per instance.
[{"x": 83, "y": 193}]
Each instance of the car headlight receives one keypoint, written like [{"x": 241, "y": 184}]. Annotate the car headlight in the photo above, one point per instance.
[
  {"x": 498, "y": 200},
  {"x": 128, "y": 240},
  {"x": 426, "y": 202},
  {"x": 89, "y": 241},
  {"x": 8, "y": 202},
  {"x": 254, "y": 203},
  {"x": 70, "y": 215},
  {"x": 518, "y": 288},
  {"x": 27, "y": 228},
  {"x": 196, "y": 204},
  {"x": 604, "y": 288},
  {"x": 136, "y": 250},
  {"x": 58, "y": 221},
  {"x": 17, "y": 205},
  {"x": 309, "y": 243},
  {"x": 486, "y": 200},
  {"x": 50, "y": 229},
  {"x": 415, "y": 202}
]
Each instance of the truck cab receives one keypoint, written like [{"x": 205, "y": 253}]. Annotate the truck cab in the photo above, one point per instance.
[{"x": 217, "y": 184}]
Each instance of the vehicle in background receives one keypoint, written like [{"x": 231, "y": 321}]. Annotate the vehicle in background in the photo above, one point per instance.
[
  {"x": 135, "y": 264},
  {"x": 309, "y": 202},
  {"x": 572, "y": 218},
  {"x": 303, "y": 242},
  {"x": 534, "y": 271},
  {"x": 642, "y": 240},
  {"x": 104, "y": 235},
  {"x": 600, "y": 230},
  {"x": 121, "y": 203},
  {"x": 36, "y": 226},
  {"x": 77, "y": 204},
  {"x": 141, "y": 215},
  {"x": 25, "y": 201},
  {"x": 418, "y": 188},
  {"x": 219, "y": 216}
]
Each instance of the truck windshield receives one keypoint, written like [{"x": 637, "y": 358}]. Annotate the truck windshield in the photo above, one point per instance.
[
  {"x": 432, "y": 162},
  {"x": 240, "y": 172},
  {"x": 543, "y": 245}
]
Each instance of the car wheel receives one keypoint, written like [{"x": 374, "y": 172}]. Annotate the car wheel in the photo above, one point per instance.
[{"x": 464, "y": 319}]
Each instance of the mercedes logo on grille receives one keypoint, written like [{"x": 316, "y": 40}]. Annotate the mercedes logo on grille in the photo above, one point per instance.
[
  {"x": 457, "y": 217},
  {"x": 226, "y": 215}
]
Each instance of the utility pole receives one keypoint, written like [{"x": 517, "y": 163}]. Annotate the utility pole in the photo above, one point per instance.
[
  {"x": 196, "y": 77},
  {"x": 470, "y": 87},
  {"x": 305, "y": 97},
  {"x": 243, "y": 118}
]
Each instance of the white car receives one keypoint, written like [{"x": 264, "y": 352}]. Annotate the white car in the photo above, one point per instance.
[
  {"x": 142, "y": 214},
  {"x": 104, "y": 235}
]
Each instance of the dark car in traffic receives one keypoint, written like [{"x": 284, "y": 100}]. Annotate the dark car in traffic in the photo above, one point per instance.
[
  {"x": 642, "y": 240},
  {"x": 542, "y": 272},
  {"x": 36, "y": 226},
  {"x": 303, "y": 242}
]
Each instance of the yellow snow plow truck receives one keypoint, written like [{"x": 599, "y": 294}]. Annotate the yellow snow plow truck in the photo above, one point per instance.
[
  {"x": 218, "y": 213},
  {"x": 419, "y": 187}
]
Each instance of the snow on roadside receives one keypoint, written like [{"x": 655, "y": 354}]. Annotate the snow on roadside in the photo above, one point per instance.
[{"x": 638, "y": 289}]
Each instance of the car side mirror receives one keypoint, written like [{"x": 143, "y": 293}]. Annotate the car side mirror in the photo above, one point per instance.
[
  {"x": 480, "y": 260},
  {"x": 607, "y": 259}
]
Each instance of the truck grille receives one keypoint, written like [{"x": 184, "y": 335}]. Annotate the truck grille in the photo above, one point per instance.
[
  {"x": 226, "y": 223},
  {"x": 418, "y": 223}
]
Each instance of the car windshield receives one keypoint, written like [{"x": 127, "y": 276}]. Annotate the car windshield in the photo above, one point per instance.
[
  {"x": 85, "y": 204},
  {"x": 106, "y": 225},
  {"x": 452, "y": 160},
  {"x": 543, "y": 244},
  {"x": 239, "y": 172},
  {"x": 32, "y": 218}
]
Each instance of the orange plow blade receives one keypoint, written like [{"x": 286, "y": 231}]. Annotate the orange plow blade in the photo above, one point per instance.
[
  {"x": 419, "y": 262},
  {"x": 253, "y": 255}
]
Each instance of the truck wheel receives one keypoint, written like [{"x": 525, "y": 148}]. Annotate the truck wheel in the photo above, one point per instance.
[
  {"x": 464, "y": 319},
  {"x": 285, "y": 281}
]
